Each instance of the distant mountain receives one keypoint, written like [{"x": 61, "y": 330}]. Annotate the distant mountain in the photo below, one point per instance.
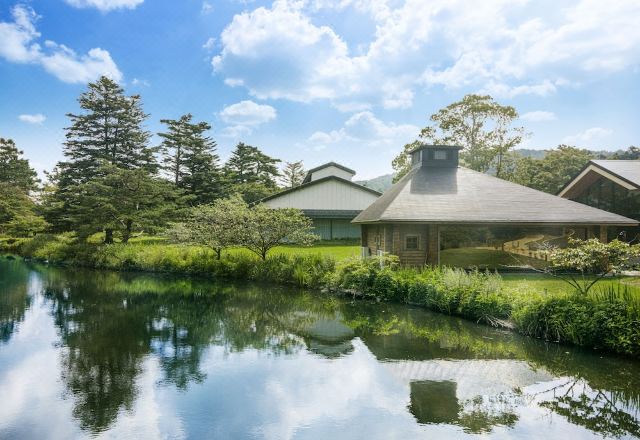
[{"x": 380, "y": 183}]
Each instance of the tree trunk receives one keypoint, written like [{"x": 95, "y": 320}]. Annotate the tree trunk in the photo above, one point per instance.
[
  {"x": 127, "y": 232},
  {"x": 108, "y": 236},
  {"x": 218, "y": 253}
]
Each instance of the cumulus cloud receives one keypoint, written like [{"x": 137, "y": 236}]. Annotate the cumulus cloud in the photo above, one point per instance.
[
  {"x": 365, "y": 128},
  {"x": 243, "y": 116},
  {"x": 508, "y": 48},
  {"x": 105, "y": 5},
  {"x": 248, "y": 113},
  {"x": 37, "y": 119},
  {"x": 538, "y": 116},
  {"x": 140, "y": 82},
  {"x": 591, "y": 137},
  {"x": 18, "y": 44}
]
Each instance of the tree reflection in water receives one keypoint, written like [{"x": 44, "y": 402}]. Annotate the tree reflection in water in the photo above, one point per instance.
[
  {"x": 110, "y": 322},
  {"x": 14, "y": 297},
  {"x": 456, "y": 373}
]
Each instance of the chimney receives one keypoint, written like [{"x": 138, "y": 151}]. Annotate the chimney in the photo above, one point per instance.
[{"x": 435, "y": 156}]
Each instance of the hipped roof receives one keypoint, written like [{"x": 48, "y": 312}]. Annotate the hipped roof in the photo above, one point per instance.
[{"x": 460, "y": 195}]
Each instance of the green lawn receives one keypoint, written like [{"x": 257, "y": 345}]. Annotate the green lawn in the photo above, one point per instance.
[
  {"x": 541, "y": 282},
  {"x": 339, "y": 250}
]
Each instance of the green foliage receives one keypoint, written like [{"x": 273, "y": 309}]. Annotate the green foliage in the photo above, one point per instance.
[
  {"x": 123, "y": 200},
  {"x": 607, "y": 320},
  {"x": 549, "y": 174},
  {"x": 216, "y": 226},
  {"x": 14, "y": 169},
  {"x": 18, "y": 216},
  {"x": 262, "y": 228},
  {"x": 293, "y": 174},
  {"x": 189, "y": 157},
  {"x": 591, "y": 257},
  {"x": 250, "y": 172},
  {"x": 476, "y": 122}
]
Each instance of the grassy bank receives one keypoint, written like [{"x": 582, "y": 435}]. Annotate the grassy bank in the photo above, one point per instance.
[{"x": 539, "y": 307}]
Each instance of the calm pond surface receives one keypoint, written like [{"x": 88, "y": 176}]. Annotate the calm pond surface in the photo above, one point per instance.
[{"x": 133, "y": 356}]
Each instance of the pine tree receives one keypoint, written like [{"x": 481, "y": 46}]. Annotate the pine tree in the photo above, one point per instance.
[
  {"x": 293, "y": 174},
  {"x": 14, "y": 169},
  {"x": 107, "y": 135},
  {"x": 251, "y": 173},
  {"x": 248, "y": 164},
  {"x": 110, "y": 129},
  {"x": 189, "y": 156}
]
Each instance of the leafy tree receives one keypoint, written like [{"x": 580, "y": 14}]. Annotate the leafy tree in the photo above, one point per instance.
[
  {"x": 263, "y": 228},
  {"x": 550, "y": 173},
  {"x": 480, "y": 125},
  {"x": 591, "y": 257},
  {"x": 631, "y": 153},
  {"x": 252, "y": 192},
  {"x": 189, "y": 156},
  {"x": 402, "y": 162},
  {"x": 293, "y": 174},
  {"x": 122, "y": 200},
  {"x": 14, "y": 169},
  {"x": 214, "y": 226}
]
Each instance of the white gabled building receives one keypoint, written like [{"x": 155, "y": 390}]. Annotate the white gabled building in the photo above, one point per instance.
[{"x": 329, "y": 197}]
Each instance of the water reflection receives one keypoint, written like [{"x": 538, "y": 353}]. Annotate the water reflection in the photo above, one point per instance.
[
  {"x": 199, "y": 359},
  {"x": 14, "y": 298}
]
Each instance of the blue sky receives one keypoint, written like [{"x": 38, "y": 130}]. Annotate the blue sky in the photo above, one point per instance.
[{"x": 318, "y": 80}]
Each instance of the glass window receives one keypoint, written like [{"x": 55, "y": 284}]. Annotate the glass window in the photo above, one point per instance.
[
  {"x": 411, "y": 242},
  {"x": 440, "y": 155}
]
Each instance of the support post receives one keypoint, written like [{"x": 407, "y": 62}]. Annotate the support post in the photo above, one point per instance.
[
  {"x": 433, "y": 245},
  {"x": 603, "y": 234}
]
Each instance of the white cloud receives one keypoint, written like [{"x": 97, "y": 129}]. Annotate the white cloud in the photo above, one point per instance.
[
  {"x": 508, "y": 48},
  {"x": 37, "y": 119},
  {"x": 140, "y": 82},
  {"x": 248, "y": 113},
  {"x": 105, "y": 5},
  {"x": 591, "y": 137},
  {"x": 16, "y": 38},
  {"x": 209, "y": 44},
  {"x": 17, "y": 44},
  {"x": 538, "y": 116},
  {"x": 206, "y": 8},
  {"x": 365, "y": 128},
  {"x": 242, "y": 117}
]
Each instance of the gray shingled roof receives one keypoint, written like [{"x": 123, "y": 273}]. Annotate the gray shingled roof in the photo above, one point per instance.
[
  {"x": 460, "y": 195},
  {"x": 629, "y": 170}
]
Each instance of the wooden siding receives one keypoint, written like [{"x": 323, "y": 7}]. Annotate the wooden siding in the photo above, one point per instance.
[
  {"x": 331, "y": 171},
  {"x": 331, "y": 194}
]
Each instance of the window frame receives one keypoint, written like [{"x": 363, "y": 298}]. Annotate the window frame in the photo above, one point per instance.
[{"x": 406, "y": 237}]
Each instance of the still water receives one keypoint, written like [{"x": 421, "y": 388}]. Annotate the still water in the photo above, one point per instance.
[{"x": 87, "y": 354}]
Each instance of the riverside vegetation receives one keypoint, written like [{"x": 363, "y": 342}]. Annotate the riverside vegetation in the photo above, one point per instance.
[{"x": 607, "y": 318}]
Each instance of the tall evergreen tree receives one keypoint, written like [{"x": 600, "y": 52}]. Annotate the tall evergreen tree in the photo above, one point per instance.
[
  {"x": 293, "y": 174},
  {"x": 110, "y": 130},
  {"x": 248, "y": 164},
  {"x": 14, "y": 169},
  {"x": 251, "y": 173},
  {"x": 107, "y": 135},
  {"x": 189, "y": 157}
]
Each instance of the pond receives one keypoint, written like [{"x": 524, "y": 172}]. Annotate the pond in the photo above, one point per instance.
[{"x": 133, "y": 356}]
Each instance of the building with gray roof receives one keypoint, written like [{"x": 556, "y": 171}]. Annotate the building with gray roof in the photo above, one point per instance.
[{"x": 442, "y": 208}]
